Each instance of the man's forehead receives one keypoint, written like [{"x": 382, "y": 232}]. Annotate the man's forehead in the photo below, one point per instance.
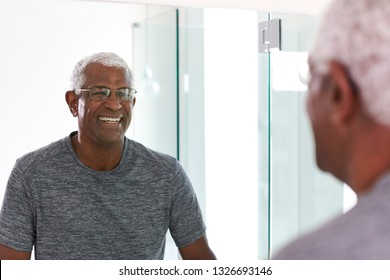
[
  {"x": 99, "y": 73},
  {"x": 98, "y": 69}
]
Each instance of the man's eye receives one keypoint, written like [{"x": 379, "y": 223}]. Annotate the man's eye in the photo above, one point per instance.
[{"x": 123, "y": 93}]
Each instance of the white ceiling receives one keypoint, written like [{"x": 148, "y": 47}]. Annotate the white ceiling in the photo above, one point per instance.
[{"x": 306, "y": 7}]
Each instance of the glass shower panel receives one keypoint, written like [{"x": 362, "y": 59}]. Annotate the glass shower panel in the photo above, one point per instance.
[
  {"x": 155, "y": 65},
  {"x": 301, "y": 196},
  {"x": 155, "y": 120},
  {"x": 191, "y": 99}
]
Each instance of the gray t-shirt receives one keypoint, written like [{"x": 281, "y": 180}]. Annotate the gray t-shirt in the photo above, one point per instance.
[
  {"x": 361, "y": 233},
  {"x": 69, "y": 211}
]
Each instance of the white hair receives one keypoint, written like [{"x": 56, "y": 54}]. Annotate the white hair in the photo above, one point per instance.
[
  {"x": 356, "y": 33},
  {"x": 109, "y": 59}
]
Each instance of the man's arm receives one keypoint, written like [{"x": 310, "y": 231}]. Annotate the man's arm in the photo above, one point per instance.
[
  {"x": 199, "y": 250},
  {"x": 7, "y": 253}
]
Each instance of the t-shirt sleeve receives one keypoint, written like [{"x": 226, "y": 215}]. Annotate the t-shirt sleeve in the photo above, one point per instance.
[
  {"x": 16, "y": 215},
  {"x": 186, "y": 223}
]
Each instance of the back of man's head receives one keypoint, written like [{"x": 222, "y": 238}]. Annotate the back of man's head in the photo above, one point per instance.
[{"x": 356, "y": 33}]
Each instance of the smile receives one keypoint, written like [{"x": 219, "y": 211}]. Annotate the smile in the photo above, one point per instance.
[{"x": 110, "y": 120}]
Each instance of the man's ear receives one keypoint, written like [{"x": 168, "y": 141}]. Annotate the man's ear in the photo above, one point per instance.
[
  {"x": 344, "y": 93},
  {"x": 72, "y": 101}
]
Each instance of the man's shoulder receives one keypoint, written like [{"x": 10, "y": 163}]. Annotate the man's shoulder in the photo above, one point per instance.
[
  {"x": 329, "y": 241},
  {"x": 150, "y": 157},
  {"x": 41, "y": 155},
  {"x": 361, "y": 233}
]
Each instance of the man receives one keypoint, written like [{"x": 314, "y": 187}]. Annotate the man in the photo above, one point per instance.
[
  {"x": 349, "y": 108},
  {"x": 97, "y": 194}
]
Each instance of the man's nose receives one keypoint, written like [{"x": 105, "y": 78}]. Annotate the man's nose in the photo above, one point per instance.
[{"x": 112, "y": 102}]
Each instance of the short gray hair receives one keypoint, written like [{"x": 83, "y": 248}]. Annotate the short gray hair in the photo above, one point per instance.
[
  {"x": 356, "y": 33},
  {"x": 109, "y": 59}
]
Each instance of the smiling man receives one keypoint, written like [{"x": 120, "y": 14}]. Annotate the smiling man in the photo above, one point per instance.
[{"x": 97, "y": 194}]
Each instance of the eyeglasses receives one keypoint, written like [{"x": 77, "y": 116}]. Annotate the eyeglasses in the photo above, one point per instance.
[{"x": 102, "y": 93}]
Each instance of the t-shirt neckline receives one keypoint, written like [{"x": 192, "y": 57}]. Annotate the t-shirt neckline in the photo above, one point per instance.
[{"x": 90, "y": 170}]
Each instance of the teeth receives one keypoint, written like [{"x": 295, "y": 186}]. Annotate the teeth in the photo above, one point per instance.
[{"x": 107, "y": 119}]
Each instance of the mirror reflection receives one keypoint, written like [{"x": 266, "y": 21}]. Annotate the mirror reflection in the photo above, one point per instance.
[{"x": 205, "y": 96}]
